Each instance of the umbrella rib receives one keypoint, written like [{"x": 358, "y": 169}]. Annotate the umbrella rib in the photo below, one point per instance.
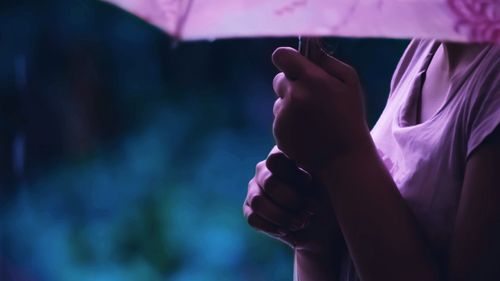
[{"x": 181, "y": 21}]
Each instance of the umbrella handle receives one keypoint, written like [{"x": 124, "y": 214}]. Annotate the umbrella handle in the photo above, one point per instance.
[{"x": 307, "y": 43}]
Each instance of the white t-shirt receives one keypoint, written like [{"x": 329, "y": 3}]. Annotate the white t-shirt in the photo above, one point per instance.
[{"x": 427, "y": 160}]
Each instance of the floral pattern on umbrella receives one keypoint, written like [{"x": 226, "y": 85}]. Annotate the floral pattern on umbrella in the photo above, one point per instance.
[{"x": 478, "y": 19}]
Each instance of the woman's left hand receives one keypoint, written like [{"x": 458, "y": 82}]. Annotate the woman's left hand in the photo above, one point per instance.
[{"x": 319, "y": 113}]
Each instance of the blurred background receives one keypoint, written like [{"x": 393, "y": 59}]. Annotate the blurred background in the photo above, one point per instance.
[{"x": 123, "y": 158}]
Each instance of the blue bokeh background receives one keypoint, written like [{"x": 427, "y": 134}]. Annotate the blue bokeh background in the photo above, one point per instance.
[{"x": 123, "y": 158}]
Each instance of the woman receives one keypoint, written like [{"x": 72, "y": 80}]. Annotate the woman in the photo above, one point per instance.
[{"x": 417, "y": 198}]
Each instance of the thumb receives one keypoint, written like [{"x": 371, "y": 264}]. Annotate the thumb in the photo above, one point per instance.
[
  {"x": 285, "y": 168},
  {"x": 331, "y": 65},
  {"x": 291, "y": 62}
]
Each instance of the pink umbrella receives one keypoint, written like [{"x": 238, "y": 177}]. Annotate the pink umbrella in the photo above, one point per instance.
[{"x": 451, "y": 20}]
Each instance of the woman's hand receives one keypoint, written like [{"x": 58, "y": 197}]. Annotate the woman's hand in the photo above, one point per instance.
[
  {"x": 319, "y": 114},
  {"x": 284, "y": 202}
]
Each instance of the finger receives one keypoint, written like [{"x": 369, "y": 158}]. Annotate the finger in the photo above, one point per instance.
[
  {"x": 297, "y": 67},
  {"x": 292, "y": 63},
  {"x": 281, "y": 85},
  {"x": 277, "y": 107},
  {"x": 275, "y": 149},
  {"x": 285, "y": 168},
  {"x": 261, "y": 224},
  {"x": 331, "y": 65},
  {"x": 282, "y": 194},
  {"x": 265, "y": 208}
]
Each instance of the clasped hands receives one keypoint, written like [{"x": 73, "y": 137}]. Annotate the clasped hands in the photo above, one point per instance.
[{"x": 319, "y": 118}]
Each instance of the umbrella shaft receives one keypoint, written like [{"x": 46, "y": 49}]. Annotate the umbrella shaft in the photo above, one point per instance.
[{"x": 306, "y": 45}]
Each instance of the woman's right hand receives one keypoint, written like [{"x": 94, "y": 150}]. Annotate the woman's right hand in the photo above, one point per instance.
[{"x": 285, "y": 203}]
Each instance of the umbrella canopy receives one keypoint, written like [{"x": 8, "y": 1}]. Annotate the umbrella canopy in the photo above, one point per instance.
[{"x": 451, "y": 20}]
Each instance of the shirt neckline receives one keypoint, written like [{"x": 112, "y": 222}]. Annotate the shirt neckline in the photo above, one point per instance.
[{"x": 407, "y": 115}]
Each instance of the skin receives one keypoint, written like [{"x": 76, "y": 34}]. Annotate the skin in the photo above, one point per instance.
[
  {"x": 448, "y": 60},
  {"x": 319, "y": 125},
  {"x": 285, "y": 203}
]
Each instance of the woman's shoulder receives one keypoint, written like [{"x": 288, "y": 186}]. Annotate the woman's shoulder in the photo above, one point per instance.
[
  {"x": 483, "y": 79},
  {"x": 481, "y": 106},
  {"x": 488, "y": 70}
]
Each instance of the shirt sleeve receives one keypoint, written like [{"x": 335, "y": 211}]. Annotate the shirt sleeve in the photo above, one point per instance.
[{"x": 484, "y": 117}]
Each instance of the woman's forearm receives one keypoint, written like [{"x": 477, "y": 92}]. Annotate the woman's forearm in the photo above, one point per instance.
[
  {"x": 312, "y": 267},
  {"x": 381, "y": 234}
]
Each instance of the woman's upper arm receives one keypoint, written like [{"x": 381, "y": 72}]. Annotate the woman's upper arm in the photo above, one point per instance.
[{"x": 475, "y": 245}]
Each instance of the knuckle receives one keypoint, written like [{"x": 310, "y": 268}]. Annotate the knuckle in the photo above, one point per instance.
[
  {"x": 255, "y": 201},
  {"x": 245, "y": 209},
  {"x": 251, "y": 185},
  {"x": 276, "y": 80},
  {"x": 276, "y": 106},
  {"x": 280, "y": 77},
  {"x": 280, "y": 85},
  {"x": 260, "y": 166},
  {"x": 253, "y": 190},
  {"x": 275, "y": 149},
  {"x": 277, "y": 77}
]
